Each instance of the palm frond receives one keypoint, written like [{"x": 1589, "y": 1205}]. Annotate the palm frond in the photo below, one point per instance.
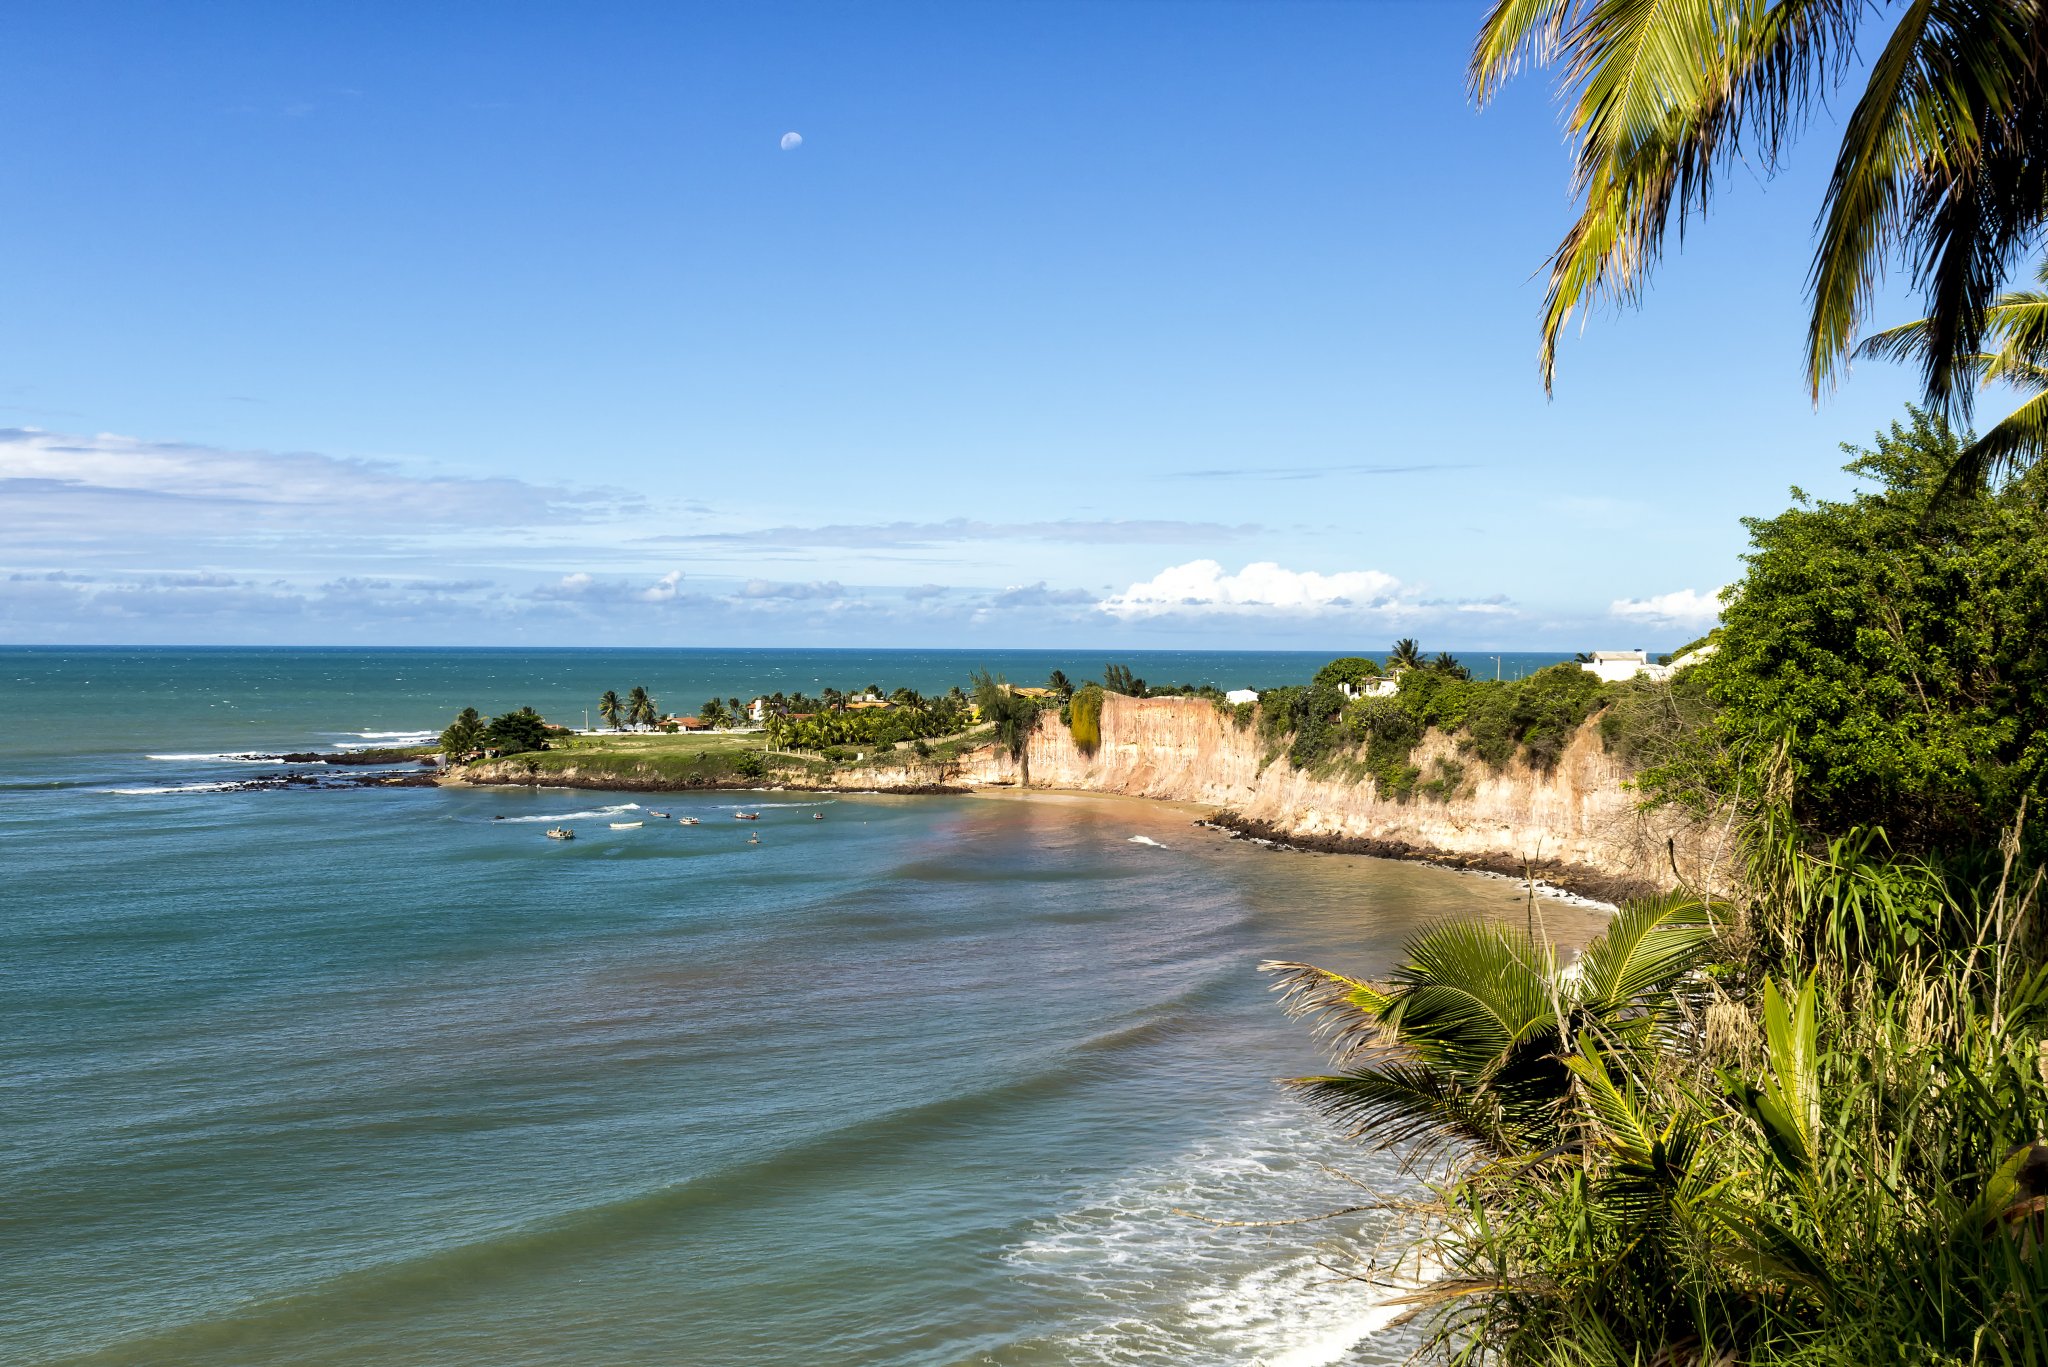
[
  {"x": 1514, "y": 32},
  {"x": 1469, "y": 991},
  {"x": 1616, "y": 1107},
  {"x": 1410, "y": 1106},
  {"x": 1650, "y": 945},
  {"x": 1940, "y": 155},
  {"x": 1345, "y": 1012},
  {"x": 1667, "y": 93}
]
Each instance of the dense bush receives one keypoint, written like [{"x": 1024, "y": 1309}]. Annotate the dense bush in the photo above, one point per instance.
[
  {"x": 1896, "y": 646},
  {"x": 1352, "y": 669},
  {"x": 516, "y": 732},
  {"x": 1084, "y": 718},
  {"x": 1534, "y": 717}
]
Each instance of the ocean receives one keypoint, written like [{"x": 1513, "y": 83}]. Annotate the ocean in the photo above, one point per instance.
[{"x": 382, "y": 1076}]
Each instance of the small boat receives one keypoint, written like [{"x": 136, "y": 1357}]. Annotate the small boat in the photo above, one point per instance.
[
  {"x": 817, "y": 816},
  {"x": 627, "y": 825},
  {"x": 686, "y": 821},
  {"x": 746, "y": 816},
  {"x": 660, "y": 815},
  {"x": 560, "y": 833},
  {"x": 754, "y": 838}
]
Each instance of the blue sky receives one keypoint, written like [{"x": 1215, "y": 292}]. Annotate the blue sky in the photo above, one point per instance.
[{"x": 1132, "y": 323}]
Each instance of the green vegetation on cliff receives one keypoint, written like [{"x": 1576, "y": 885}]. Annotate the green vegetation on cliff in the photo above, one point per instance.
[{"x": 1532, "y": 718}]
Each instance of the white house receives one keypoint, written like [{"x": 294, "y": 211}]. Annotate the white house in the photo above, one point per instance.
[
  {"x": 757, "y": 710},
  {"x": 1241, "y": 695},
  {"x": 1384, "y": 687},
  {"x": 1619, "y": 666}
]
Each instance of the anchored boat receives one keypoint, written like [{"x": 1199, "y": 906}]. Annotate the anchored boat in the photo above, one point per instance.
[{"x": 560, "y": 833}]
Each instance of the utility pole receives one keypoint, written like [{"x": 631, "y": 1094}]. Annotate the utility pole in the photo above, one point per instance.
[{"x": 1496, "y": 669}]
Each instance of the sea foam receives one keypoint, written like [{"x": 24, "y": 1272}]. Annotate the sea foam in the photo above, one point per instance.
[
  {"x": 1175, "y": 1288},
  {"x": 596, "y": 815}
]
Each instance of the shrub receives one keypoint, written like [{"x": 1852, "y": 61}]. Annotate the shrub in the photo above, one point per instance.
[
  {"x": 1897, "y": 646},
  {"x": 747, "y": 764},
  {"x": 1084, "y": 718},
  {"x": 1352, "y": 669},
  {"x": 1316, "y": 727}
]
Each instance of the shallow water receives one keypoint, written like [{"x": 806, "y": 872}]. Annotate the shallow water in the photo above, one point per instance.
[{"x": 377, "y": 1077}]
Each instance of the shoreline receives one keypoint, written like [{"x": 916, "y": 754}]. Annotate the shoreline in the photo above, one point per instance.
[{"x": 1552, "y": 877}]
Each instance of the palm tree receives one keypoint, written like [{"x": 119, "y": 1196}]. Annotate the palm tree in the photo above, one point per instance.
[
  {"x": 464, "y": 735},
  {"x": 2016, "y": 330},
  {"x": 1015, "y": 717},
  {"x": 640, "y": 709},
  {"x": 611, "y": 709},
  {"x": 1942, "y": 163},
  {"x": 1474, "y": 1039},
  {"x": 1447, "y": 663},
  {"x": 1407, "y": 655},
  {"x": 1059, "y": 683}
]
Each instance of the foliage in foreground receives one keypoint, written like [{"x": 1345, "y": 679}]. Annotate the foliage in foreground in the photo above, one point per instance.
[{"x": 1798, "y": 1128}]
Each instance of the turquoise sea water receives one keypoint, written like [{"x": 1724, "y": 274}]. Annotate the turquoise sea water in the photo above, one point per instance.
[{"x": 377, "y": 1076}]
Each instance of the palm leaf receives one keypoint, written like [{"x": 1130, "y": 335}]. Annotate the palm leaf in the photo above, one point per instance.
[
  {"x": 1648, "y": 947},
  {"x": 1344, "y": 1011},
  {"x": 1409, "y": 1105},
  {"x": 1931, "y": 157},
  {"x": 1469, "y": 992},
  {"x": 1618, "y": 1109}
]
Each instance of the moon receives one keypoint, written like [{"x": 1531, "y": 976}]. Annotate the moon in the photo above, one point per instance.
[{"x": 791, "y": 141}]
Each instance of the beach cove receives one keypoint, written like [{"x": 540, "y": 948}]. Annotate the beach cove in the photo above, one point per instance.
[{"x": 377, "y": 1075}]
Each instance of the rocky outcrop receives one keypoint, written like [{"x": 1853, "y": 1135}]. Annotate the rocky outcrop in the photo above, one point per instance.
[{"x": 1580, "y": 815}]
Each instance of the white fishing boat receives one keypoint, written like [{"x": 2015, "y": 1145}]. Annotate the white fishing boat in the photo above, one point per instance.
[
  {"x": 686, "y": 821},
  {"x": 746, "y": 816},
  {"x": 560, "y": 833},
  {"x": 627, "y": 825}
]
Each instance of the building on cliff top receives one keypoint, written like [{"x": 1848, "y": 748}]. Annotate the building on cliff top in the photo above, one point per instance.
[
  {"x": 1619, "y": 666},
  {"x": 1241, "y": 695}
]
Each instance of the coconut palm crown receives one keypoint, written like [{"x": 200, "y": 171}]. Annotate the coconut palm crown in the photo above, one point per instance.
[
  {"x": 1474, "y": 1040},
  {"x": 640, "y": 708}
]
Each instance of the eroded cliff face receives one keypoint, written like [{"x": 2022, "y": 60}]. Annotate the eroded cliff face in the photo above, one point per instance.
[{"x": 1582, "y": 814}]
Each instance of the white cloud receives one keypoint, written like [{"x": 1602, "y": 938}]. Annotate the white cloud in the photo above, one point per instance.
[
  {"x": 1265, "y": 587},
  {"x": 664, "y": 589},
  {"x": 1680, "y": 607},
  {"x": 791, "y": 141},
  {"x": 568, "y": 586}
]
